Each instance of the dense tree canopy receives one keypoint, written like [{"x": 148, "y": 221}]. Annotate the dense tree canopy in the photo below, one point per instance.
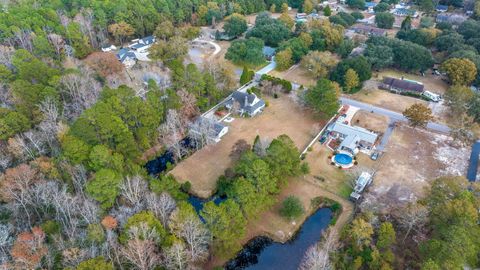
[
  {"x": 323, "y": 98},
  {"x": 235, "y": 25},
  {"x": 271, "y": 31},
  {"x": 247, "y": 52}
]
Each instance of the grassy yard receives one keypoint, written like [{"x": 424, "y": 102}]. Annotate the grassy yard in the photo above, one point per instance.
[{"x": 282, "y": 116}]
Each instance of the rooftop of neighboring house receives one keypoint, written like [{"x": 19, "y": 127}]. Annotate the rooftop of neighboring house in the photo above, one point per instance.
[
  {"x": 368, "y": 29},
  {"x": 453, "y": 18},
  {"x": 125, "y": 53},
  {"x": 268, "y": 51},
  {"x": 249, "y": 102},
  {"x": 404, "y": 11},
  {"x": 140, "y": 43},
  {"x": 214, "y": 127},
  {"x": 370, "y": 4},
  {"x": 403, "y": 84},
  {"x": 441, "y": 8}
]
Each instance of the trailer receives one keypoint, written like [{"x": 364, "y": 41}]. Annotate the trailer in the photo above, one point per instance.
[{"x": 363, "y": 181}]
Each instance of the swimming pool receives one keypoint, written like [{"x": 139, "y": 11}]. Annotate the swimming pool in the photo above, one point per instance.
[{"x": 343, "y": 159}]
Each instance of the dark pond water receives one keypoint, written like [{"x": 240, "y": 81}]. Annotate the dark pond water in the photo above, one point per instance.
[
  {"x": 198, "y": 203},
  {"x": 159, "y": 164},
  {"x": 261, "y": 253}
]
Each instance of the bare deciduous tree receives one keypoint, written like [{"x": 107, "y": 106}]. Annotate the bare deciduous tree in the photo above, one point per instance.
[
  {"x": 317, "y": 257},
  {"x": 413, "y": 217},
  {"x": 223, "y": 73},
  {"x": 133, "y": 189},
  {"x": 189, "y": 108},
  {"x": 197, "y": 238},
  {"x": 50, "y": 126},
  {"x": 176, "y": 257},
  {"x": 79, "y": 91},
  {"x": 202, "y": 132},
  {"x": 6, "y": 55},
  {"x": 23, "y": 39},
  {"x": 140, "y": 250},
  {"x": 57, "y": 43},
  {"x": 171, "y": 133},
  {"x": 6, "y": 241},
  {"x": 16, "y": 187},
  {"x": 161, "y": 205}
]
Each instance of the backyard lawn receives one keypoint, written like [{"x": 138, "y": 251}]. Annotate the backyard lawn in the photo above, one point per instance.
[{"x": 282, "y": 116}]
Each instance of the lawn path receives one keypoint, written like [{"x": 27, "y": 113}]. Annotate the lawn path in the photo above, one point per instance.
[{"x": 347, "y": 206}]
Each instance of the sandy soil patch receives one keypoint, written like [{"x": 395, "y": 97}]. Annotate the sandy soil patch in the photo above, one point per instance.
[
  {"x": 412, "y": 159},
  {"x": 371, "y": 121},
  {"x": 282, "y": 116}
]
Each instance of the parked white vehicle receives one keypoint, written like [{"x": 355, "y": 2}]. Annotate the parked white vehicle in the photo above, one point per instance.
[
  {"x": 364, "y": 180},
  {"x": 432, "y": 96}
]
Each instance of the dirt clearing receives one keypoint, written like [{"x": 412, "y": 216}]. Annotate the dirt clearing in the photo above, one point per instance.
[
  {"x": 413, "y": 158},
  {"x": 282, "y": 116},
  {"x": 297, "y": 75},
  {"x": 371, "y": 121}
]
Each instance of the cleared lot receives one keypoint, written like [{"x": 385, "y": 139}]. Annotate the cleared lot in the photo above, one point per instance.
[
  {"x": 282, "y": 116},
  {"x": 381, "y": 98},
  {"x": 413, "y": 158}
]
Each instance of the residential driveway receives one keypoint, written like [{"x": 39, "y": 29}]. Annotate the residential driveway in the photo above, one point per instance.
[
  {"x": 394, "y": 116},
  {"x": 386, "y": 136},
  {"x": 473, "y": 164}
]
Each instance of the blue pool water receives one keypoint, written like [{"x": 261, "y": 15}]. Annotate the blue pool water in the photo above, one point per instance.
[{"x": 343, "y": 159}]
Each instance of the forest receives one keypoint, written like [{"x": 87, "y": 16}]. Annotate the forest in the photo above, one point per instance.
[{"x": 75, "y": 137}]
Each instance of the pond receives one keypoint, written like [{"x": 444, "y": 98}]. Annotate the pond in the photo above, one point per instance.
[
  {"x": 262, "y": 253},
  {"x": 159, "y": 164}
]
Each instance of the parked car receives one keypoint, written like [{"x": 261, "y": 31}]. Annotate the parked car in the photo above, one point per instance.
[{"x": 375, "y": 155}]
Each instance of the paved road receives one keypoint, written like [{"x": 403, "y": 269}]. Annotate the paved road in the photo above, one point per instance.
[
  {"x": 394, "y": 116},
  {"x": 472, "y": 167}
]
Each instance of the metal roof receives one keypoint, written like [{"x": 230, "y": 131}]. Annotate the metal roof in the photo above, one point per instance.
[
  {"x": 404, "y": 85},
  {"x": 357, "y": 133}
]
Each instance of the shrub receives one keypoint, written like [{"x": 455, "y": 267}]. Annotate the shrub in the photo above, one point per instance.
[
  {"x": 185, "y": 187},
  {"x": 292, "y": 208},
  {"x": 332, "y": 163},
  {"x": 355, "y": 163},
  {"x": 50, "y": 227},
  {"x": 95, "y": 233},
  {"x": 316, "y": 202},
  {"x": 336, "y": 207},
  {"x": 333, "y": 221},
  {"x": 310, "y": 149}
]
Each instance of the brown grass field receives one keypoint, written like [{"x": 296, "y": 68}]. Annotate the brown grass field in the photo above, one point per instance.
[{"x": 282, "y": 116}]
